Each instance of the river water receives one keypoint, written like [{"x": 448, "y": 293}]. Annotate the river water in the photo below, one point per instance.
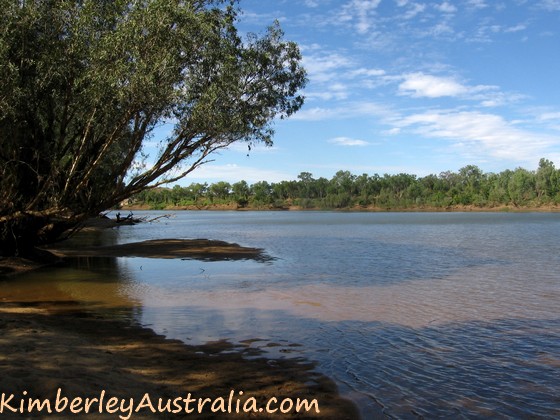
[{"x": 435, "y": 315}]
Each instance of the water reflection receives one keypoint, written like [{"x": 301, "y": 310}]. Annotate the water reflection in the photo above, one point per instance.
[
  {"x": 443, "y": 348},
  {"x": 447, "y": 347},
  {"x": 79, "y": 284}
]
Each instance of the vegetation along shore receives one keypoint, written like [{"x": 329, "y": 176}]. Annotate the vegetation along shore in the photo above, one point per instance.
[{"x": 465, "y": 190}]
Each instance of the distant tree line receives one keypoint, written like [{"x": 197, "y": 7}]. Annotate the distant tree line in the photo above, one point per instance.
[{"x": 470, "y": 186}]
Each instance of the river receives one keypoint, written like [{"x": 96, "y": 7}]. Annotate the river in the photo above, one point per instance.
[{"x": 436, "y": 315}]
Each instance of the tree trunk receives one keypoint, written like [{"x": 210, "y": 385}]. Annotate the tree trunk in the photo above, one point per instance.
[{"x": 21, "y": 233}]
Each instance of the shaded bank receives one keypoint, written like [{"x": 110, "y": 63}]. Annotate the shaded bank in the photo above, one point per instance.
[{"x": 45, "y": 347}]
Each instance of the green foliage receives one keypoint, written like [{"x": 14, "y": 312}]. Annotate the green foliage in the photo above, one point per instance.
[
  {"x": 467, "y": 187},
  {"x": 261, "y": 193},
  {"x": 85, "y": 82},
  {"x": 241, "y": 192}
]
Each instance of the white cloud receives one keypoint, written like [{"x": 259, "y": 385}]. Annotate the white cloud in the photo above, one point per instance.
[
  {"x": 481, "y": 133},
  {"x": 424, "y": 85},
  {"x": 420, "y": 85},
  {"x": 367, "y": 72},
  {"x": 346, "y": 141}
]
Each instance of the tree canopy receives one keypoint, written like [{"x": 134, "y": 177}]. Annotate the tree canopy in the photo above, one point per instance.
[
  {"x": 470, "y": 186},
  {"x": 84, "y": 84}
]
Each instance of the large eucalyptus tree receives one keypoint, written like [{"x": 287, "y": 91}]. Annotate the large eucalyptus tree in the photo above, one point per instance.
[{"x": 84, "y": 83}]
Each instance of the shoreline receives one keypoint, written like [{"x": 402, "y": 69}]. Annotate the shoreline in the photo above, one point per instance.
[
  {"x": 46, "y": 347},
  {"x": 358, "y": 209},
  {"x": 202, "y": 249}
]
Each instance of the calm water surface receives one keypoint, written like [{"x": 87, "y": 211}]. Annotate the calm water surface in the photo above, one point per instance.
[{"x": 440, "y": 315}]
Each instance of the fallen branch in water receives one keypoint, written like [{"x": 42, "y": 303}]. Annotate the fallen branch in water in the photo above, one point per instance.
[{"x": 166, "y": 216}]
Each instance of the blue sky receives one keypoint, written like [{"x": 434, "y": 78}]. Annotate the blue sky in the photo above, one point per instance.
[{"x": 415, "y": 86}]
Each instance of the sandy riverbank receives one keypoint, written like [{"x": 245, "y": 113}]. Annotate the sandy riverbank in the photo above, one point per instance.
[{"x": 45, "y": 346}]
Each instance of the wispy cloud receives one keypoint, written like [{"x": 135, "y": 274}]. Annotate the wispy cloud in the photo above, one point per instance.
[
  {"x": 328, "y": 73},
  {"x": 548, "y": 116},
  {"x": 359, "y": 13},
  {"x": 477, "y": 4},
  {"x": 345, "y": 111},
  {"x": 516, "y": 28},
  {"x": 348, "y": 142},
  {"x": 324, "y": 67},
  {"x": 414, "y": 9},
  {"x": 550, "y": 119},
  {"x": 439, "y": 30},
  {"x": 550, "y": 5},
  {"x": 311, "y": 3},
  {"x": 422, "y": 85},
  {"x": 487, "y": 31},
  {"x": 367, "y": 72},
  {"x": 446, "y": 7},
  {"x": 481, "y": 133},
  {"x": 334, "y": 75}
]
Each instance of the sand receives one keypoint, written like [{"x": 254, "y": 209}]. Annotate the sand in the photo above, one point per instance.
[
  {"x": 200, "y": 249},
  {"x": 42, "y": 350},
  {"x": 47, "y": 346}
]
